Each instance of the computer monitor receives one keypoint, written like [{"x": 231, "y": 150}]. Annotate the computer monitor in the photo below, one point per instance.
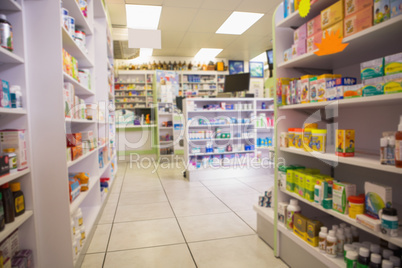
[
  {"x": 237, "y": 82},
  {"x": 144, "y": 111},
  {"x": 179, "y": 102},
  {"x": 270, "y": 56}
]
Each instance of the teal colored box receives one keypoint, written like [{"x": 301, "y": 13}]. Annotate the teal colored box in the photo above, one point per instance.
[
  {"x": 396, "y": 8},
  {"x": 5, "y": 100},
  {"x": 373, "y": 87},
  {"x": 372, "y": 68}
]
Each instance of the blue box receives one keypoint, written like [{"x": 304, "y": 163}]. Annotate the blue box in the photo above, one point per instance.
[{"x": 5, "y": 101}]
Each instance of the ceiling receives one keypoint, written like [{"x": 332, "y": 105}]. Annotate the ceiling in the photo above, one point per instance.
[{"x": 188, "y": 25}]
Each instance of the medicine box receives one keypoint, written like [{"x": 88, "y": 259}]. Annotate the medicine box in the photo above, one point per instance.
[
  {"x": 345, "y": 142},
  {"x": 287, "y": 55},
  {"x": 16, "y": 139},
  {"x": 281, "y": 85},
  {"x": 393, "y": 83},
  {"x": 353, "y": 6},
  {"x": 314, "y": 26},
  {"x": 5, "y": 100},
  {"x": 371, "y": 69},
  {"x": 377, "y": 197},
  {"x": 300, "y": 33},
  {"x": 313, "y": 89},
  {"x": 68, "y": 99},
  {"x": 340, "y": 193},
  {"x": 381, "y": 11},
  {"x": 4, "y": 165},
  {"x": 305, "y": 88},
  {"x": 330, "y": 90},
  {"x": 321, "y": 82},
  {"x": 290, "y": 180},
  {"x": 282, "y": 209},
  {"x": 334, "y": 29},
  {"x": 313, "y": 230},
  {"x": 299, "y": 48},
  {"x": 298, "y": 91},
  {"x": 357, "y": 22},
  {"x": 341, "y": 84},
  {"x": 309, "y": 184},
  {"x": 373, "y": 87},
  {"x": 300, "y": 225},
  {"x": 393, "y": 64},
  {"x": 332, "y": 15},
  {"x": 396, "y": 8},
  {"x": 353, "y": 91},
  {"x": 311, "y": 41},
  {"x": 300, "y": 177},
  {"x": 73, "y": 139}
]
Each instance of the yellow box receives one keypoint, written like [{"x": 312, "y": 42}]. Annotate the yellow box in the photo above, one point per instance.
[
  {"x": 334, "y": 28},
  {"x": 313, "y": 230},
  {"x": 300, "y": 225},
  {"x": 345, "y": 142},
  {"x": 332, "y": 15}
]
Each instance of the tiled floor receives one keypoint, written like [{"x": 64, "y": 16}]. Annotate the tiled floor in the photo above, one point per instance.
[{"x": 160, "y": 219}]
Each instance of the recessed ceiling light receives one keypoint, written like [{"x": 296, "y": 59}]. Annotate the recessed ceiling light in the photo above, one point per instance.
[
  {"x": 143, "y": 17},
  {"x": 207, "y": 53},
  {"x": 146, "y": 52},
  {"x": 239, "y": 22},
  {"x": 262, "y": 57}
]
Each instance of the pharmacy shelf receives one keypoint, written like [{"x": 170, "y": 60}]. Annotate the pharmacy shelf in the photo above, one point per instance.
[
  {"x": 266, "y": 213},
  {"x": 11, "y": 227},
  {"x": 225, "y": 125},
  {"x": 265, "y": 110},
  {"x": 9, "y": 57},
  {"x": 13, "y": 111},
  {"x": 239, "y": 152},
  {"x": 132, "y": 96},
  {"x": 394, "y": 240},
  {"x": 124, "y": 102},
  {"x": 134, "y": 126},
  {"x": 81, "y": 197},
  {"x": 80, "y": 121},
  {"x": 219, "y": 111},
  {"x": 10, "y": 5},
  {"x": 101, "y": 146},
  {"x": 294, "y": 20},
  {"x": 73, "y": 49},
  {"x": 228, "y": 139},
  {"x": 272, "y": 149},
  {"x": 380, "y": 37},
  {"x": 210, "y": 89},
  {"x": 79, "y": 89},
  {"x": 102, "y": 170},
  {"x": 129, "y": 83},
  {"x": 360, "y": 160},
  {"x": 387, "y": 99},
  {"x": 209, "y": 83},
  {"x": 12, "y": 176},
  {"x": 269, "y": 128},
  {"x": 99, "y": 10},
  {"x": 72, "y": 163},
  {"x": 127, "y": 90},
  {"x": 75, "y": 12}
]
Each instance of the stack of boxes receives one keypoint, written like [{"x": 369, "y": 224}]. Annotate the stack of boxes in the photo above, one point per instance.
[
  {"x": 332, "y": 19},
  {"x": 358, "y": 16},
  {"x": 314, "y": 33},
  {"x": 79, "y": 144},
  {"x": 15, "y": 139}
]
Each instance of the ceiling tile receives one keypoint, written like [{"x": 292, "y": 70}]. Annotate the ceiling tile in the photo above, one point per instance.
[
  {"x": 164, "y": 52},
  {"x": 196, "y": 40},
  {"x": 176, "y": 19},
  {"x": 171, "y": 39},
  {"x": 221, "y": 4},
  {"x": 234, "y": 54},
  {"x": 262, "y": 27},
  {"x": 259, "y": 6},
  {"x": 145, "y": 2},
  {"x": 117, "y": 14},
  {"x": 244, "y": 43},
  {"x": 222, "y": 40},
  {"x": 182, "y": 3},
  {"x": 187, "y": 52},
  {"x": 208, "y": 20}
]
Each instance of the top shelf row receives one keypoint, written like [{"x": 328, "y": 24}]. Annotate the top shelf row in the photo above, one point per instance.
[
  {"x": 10, "y": 5},
  {"x": 75, "y": 12}
]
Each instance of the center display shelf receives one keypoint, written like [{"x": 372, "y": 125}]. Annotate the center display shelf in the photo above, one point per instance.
[
  {"x": 11, "y": 111},
  {"x": 9, "y": 57},
  {"x": 71, "y": 47},
  {"x": 79, "y": 159},
  {"x": 11, "y": 227},
  {"x": 78, "y": 87},
  {"x": 81, "y": 197}
]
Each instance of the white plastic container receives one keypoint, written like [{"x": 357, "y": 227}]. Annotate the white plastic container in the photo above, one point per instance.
[
  {"x": 387, "y": 264},
  {"x": 322, "y": 239},
  {"x": 389, "y": 222},
  {"x": 386, "y": 253},
  {"x": 375, "y": 260},
  {"x": 340, "y": 242},
  {"x": 375, "y": 248},
  {"x": 291, "y": 210},
  {"x": 348, "y": 235},
  {"x": 331, "y": 244},
  {"x": 395, "y": 261}
]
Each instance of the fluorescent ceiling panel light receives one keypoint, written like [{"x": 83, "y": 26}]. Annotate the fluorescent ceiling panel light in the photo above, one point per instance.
[
  {"x": 143, "y": 17},
  {"x": 207, "y": 53},
  {"x": 239, "y": 22},
  {"x": 146, "y": 52},
  {"x": 261, "y": 58}
]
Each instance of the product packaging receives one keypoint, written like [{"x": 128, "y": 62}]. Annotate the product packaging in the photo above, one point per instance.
[
  {"x": 299, "y": 48},
  {"x": 312, "y": 40},
  {"x": 373, "y": 87},
  {"x": 4, "y": 165},
  {"x": 332, "y": 15},
  {"x": 300, "y": 226},
  {"x": 321, "y": 81},
  {"x": 340, "y": 193},
  {"x": 287, "y": 55},
  {"x": 353, "y": 91},
  {"x": 313, "y": 89},
  {"x": 359, "y": 21},
  {"x": 309, "y": 187},
  {"x": 305, "y": 88},
  {"x": 377, "y": 197},
  {"x": 345, "y": 142},
  {"x": 300, "y": 33},
  {"x": 369, "y": 222},
  {"x": 381, "y": 11},
  {"x": 74, "y": 139},
  {"x": 314, "y": 26},
  {"x": 281, "y": 85},
  {"x": 396, "y": 8},
  {"x": 313, "y": 230},
  {"x": 353, "y": 6},
  {"x": 334, "y": 29},
  {"x": 393, "y": 64},
  {"x": 68, "y": 99},
  {"x": 282, "y": 209},
  {"x": 16, "y": 139},
  {"x": 341, "y": 84},
  {"x": 393, "y": 83},
  {"x": 372, "y": 69},
  {"x": 319, "y": 140},
  {"x": 84, "y": 76},
  {"x": 5, "y": 100}
]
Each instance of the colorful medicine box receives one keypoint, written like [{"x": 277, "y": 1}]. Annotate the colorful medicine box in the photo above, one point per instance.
[
  {"x": 340, "y": 193},
  {"x": 342, "y": 83},
  {"x": 313, "y": 89},
  {"x": 353, "y": 6},
  {"x": 74, "y": 139},
  {"x": 314, "y": 26},
  {"x": 393, "y": 83},
  {"x": 16, "y": 139},
  {"x": 299, "y": 48},
  {"x": 332, "y": 15},
  {"x": 334, "y": 29},
  {"x": 287, "y": 55},
  {"x": 393, "y": 64},
  {"x": 357, "y": 22},
  {"x": 281, "y": 85},
  {"x": 345, "y": 142},
  {"x": 282, "y": 209},
  {"x": 305, "y": 88},
  {"x": 300, "y": 33},
  {"x": 5, "y": 100},
  {"x": 313, "y": 230},
  {"x": 309, "y": 187},
  {"x": 321, "y": 89},
  {"x": 373, "y": 87},
  {"x": 353, "y": 91},
  {"x": 377, "y": 197},
  {"x": 311, "y": 41},
  {"x": 300, "y": 225},
  {"x": 396, "y": 8},
  {"x": 372, "y": 69},
  {"x": 381, "y": 11}
]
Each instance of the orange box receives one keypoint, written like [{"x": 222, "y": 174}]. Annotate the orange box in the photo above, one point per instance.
[
  {"x": 74, "y": 153},
  {"x": 79, "y": 150},
  {"x": 353, "y": 6},
  {"x": 314, "y": 26},
  {"x": 74, "y": 139},
  {"x": 334, "y": 28},
  {"x": 358, "y": 21},
  {"x": 316, "y": 38},
  {"x": 332, "y": 15}
]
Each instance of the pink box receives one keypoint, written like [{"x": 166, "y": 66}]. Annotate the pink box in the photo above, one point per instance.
[
  {"x": 316, "y": 38},
  {"x": 299, "y": 48},
  {"x": 314, "y": 26},
  {"x": 300, "y": 33},
  {"x": 353, "y": 6},
  {"x": 358, "y": 21}
]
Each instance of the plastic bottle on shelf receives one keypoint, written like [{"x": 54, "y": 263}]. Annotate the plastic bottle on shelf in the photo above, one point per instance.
[
  {"x": 348, "y": 235},
  {"x": 331, "y": 244},
  {"x": 335, "y": 228},
  {"x": 348, "y": 247},
  {"x": 2, "y": 220},
  {"x": 383, "y": 151},
  {"x": 6, "y": 33},
  {"x": 16, "y": 96},
  {"x": 8, "y": 203},
  {"x": 387, "y": 264},
  {"x": 351, "y": 259},
  {"x": 395, "y": 261},
  {"x": 391, "y": 151},
  {"x": 375, "y": 248},
  {"x": 389, "y": 221},
  {"x": 398, "y": 145},
  {"x": 355, "y": 234},
  {"x": 19, "y": 200},
  {"x": 322, "y": 238},
  {"x": 375, "y": 260},
  {"x": 291, "y": 210},
  {"x": 386, "y": 253},
  {"x": 363, "y": 260},
  {"x": 340, "y": 242},
  {"x": 397, "y": 250},
  {"x": 12, "y": 159}
]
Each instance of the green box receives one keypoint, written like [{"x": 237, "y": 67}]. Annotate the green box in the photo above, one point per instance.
[
  {"x": 373, "y": 87},
  {"x": 372, "y": 68}
]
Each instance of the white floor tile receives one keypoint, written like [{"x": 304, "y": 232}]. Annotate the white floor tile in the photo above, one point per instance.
[
  {"x": 188, "y": 194},
  {"x": 202, "y": 206},
  {"x": 238, "y": 252},
  {"x": 222, "y": 191},
  {"x": 108, "y": 213},
  {"x": 93, "y": 260},
  {"x": 233, "y": 181},
  {"x": 174, "y": 256},
  {"x": 148, "y": 197},
  {"x": 141, "y": 186},
  {"x": 100, "y": 239},
  {"x": 142, "y": 234},
  {"x": 240, "y": 202},
  {"x": 143, "y": 212},
  {"x": 213, "y": 226},
  {"x": 250, "y": 217}
]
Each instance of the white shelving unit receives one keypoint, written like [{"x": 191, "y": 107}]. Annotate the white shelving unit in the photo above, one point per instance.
[
  {"x": 165, "y": 114},
  {"x": 368, "y": 116},
  {"x": 206, "y": 82},
  {"x": 49, "y": 126},
  {"x": 241, "y": 134}
]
